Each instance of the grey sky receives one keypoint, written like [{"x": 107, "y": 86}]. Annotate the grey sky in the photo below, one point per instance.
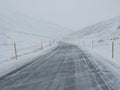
[{"x": 73, "y": 14}]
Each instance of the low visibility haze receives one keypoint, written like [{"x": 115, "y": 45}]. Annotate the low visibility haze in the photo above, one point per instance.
[
  {"x": 59, "y": 44},
  {"x": 72, "y": 14}
]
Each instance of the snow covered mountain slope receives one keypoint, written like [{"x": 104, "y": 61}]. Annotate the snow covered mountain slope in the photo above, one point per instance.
[
  {"x": 27, "y": 32},
  {"x": 98, "y": 39},
  {"x": 105, "y": 30},
  {"x": 18, "y": 27}
]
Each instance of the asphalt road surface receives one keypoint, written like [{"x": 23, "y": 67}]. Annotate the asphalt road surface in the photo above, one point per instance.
[{"x": 66, "y": 67}]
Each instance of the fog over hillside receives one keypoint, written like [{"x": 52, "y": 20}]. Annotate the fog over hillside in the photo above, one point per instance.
[
  {"x": 106, "y": 30},
  {"x": 23, "y": 28}
]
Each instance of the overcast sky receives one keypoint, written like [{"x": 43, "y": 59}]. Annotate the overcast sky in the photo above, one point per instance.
[{"x": 73, "y": 14}]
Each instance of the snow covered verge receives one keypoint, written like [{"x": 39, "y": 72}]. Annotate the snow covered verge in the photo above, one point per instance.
[
  {"x": 103, "y": 50},
  {"x": 7, "y": 51},
  {"x": 98, "y": 38},
  {"x": 27, "y": 32},
  {"x": 11, "y": 65}
]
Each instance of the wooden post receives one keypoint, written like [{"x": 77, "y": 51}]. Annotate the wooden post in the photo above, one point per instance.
[
  {"x": 112, "y": 50},
  {"x": 15, "y": 50}
]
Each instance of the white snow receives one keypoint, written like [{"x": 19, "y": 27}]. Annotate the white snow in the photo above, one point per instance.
[
  {"x": 13, "y": 64},
  {"x": 101, "y": 35},
  {"x": 27, "y": 32},
  {"x": 102, "y": 31},
  {"x": 103, "y": 49}
]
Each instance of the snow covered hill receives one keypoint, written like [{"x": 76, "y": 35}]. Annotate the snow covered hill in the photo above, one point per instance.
[
  {"x": 102, "y": 31},
  {"x": 98, "y": 38},
  {"x": 24, "y": 28},
  {"x": 27, "y": 32}
]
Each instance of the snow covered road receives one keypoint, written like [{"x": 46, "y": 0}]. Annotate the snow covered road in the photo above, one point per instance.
[{"x": 66, "y": 67}]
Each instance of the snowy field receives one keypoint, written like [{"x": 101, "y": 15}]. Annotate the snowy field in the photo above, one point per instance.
[
  {"x": 24, "y": 58},
  {"x": 27, "y": 32},
  {"x": 28, "y": 47},
  {"x": 7, "y": 51},
  {"x": 97, "y": 38},
  {"x": 104, "y": 49}
]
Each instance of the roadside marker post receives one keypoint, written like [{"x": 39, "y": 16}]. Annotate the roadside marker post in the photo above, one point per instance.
[
  {"x": 15, "y": 50},
  {"x": 113, "y": 46}
]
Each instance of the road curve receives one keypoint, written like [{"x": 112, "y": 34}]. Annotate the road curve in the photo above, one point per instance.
[{"x": 66, "y": 67}]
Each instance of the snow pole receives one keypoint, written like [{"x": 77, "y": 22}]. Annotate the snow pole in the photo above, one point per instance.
[
  {"x": 112, "y": 50},
  {"x": 15, "y": 50}
]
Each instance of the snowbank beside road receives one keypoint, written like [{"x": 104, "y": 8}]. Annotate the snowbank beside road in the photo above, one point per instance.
[
  {"x": 7, "y": 51},
  {"x": 11, "y": 65},
  {"x": 104, "y": 50}
]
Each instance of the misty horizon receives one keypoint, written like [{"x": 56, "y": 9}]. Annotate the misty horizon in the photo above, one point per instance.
[{"x": 72, "y": 14}]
